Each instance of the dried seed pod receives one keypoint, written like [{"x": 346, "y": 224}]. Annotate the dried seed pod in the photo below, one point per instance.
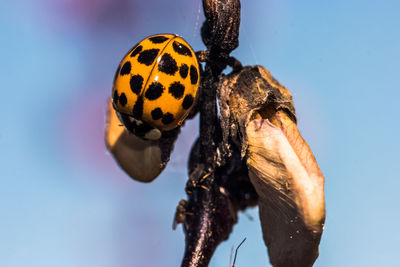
[
  {"x": 242, "y": 93},
  {"x": 220, "y": 31},
  {"x": 142, "y": 160},
  {"x": 258, "y": 113}
]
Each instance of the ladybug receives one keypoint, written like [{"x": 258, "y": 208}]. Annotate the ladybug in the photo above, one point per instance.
[{"x": 155, "y": 85}]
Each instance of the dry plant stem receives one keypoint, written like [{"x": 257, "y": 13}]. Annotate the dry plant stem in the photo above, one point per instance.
[
  {"x": 208, "y": 118},
  {"x": 209, "y": 216},
  {"x": 201, "y": 233}
]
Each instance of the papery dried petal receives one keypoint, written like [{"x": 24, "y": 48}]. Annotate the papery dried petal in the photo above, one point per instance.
[
  {"x": 290, "y": 186},
  {"x": 257, "y": 114},
  {"x": 142, "y": 160}
]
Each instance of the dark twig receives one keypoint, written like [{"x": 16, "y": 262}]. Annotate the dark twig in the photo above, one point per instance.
[{"x": 218, "y": 186}]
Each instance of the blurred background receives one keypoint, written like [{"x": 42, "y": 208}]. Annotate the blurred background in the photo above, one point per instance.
[{"x": 64, "y": 201}]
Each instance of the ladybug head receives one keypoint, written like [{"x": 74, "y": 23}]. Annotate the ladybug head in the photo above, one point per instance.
[{"x": 138, "y": 127}]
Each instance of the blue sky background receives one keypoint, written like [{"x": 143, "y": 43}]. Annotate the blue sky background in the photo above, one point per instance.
[{"x": 63, "y": 200}]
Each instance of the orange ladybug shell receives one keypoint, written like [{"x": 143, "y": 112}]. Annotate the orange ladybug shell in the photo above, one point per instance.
[{"x": 157, "y": 81}]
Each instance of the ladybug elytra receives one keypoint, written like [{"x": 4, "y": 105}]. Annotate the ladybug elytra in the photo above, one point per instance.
[{"x": 156, "y": 85}]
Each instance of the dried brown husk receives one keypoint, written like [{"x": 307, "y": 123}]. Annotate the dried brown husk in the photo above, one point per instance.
[
  {"x": 242, "y": 93},
  {"x": 142, "y": 160},
  {"x": 260, "y": 116}
]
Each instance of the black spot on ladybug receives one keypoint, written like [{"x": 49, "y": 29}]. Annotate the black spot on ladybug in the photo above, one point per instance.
[
  {"x": 136, "y": 51},
  {"x": 122, "y": 99},
  {"x": 167, "y": 118},
  {"x": 115, "y": 97},
  {"x": 177, "y": 90},
  {"x": 183, "y": 71},
  {"x": 194, "y": 76},
  {"x": 126, "y": 68},
  {"x": 147, "y": 57},
  {"x": 137, "y": 111},
  {"x": 187, "y": 102},
  {"x": 181, "y": 49},
  {"x": 168, "y": 64},
  {"x": 158, "y": 39},
  {"x": 136, "y": 83},
  {"x": 154, "y": 91},
  {"x": 156, "y": 114}
]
